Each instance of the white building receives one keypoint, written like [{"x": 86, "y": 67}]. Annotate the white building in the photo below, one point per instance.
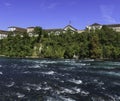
[
  {"x": 115, "y": 27},
  {"x": 94, "y": 26},
  {"x": 14, "y": 28},
  {"x": 3, "y": 34},
  {"x": 30, "y": 29},
  {"x": 69, "y": 27}
]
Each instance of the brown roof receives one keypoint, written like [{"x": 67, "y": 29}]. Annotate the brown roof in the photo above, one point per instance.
[
  {"x": 3, "y": 32},
  {"x": 30, "y": 27},
  {"x": 18, "y": 28}
]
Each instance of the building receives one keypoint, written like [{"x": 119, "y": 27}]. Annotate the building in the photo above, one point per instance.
[
  {"x": 69, "y": 27},
  {"x": 57, "y": 31},
  {"x": 63, "y": 30},
  {"x": 94, "y": 26},
  {"x": 14, "y": 28},
  {"x": 3, "y": 34},
  {"x": 115, "y": 27},
  {"x": 30, "y": 29}
]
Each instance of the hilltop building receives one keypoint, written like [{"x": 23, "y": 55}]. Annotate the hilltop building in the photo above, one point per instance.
[
  {"x": 94, "y": 26},
  {"x": 14, "y": 28},
  {"x": 115, "y": 27},
  {"x": 3, "y": 34},
  {"x": 57, "y": 31},
  {"x": 69, "y": 27},
  {"x": 30, "y": 29}
]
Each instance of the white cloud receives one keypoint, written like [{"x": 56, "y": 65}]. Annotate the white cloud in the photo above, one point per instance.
[
  {"x": 7, "y": 4},
  {"x": 45, "y": 5},
  {"x": 72, "y": 3},
  {"x": 107, "y": 13},
  {"x": 52, "y": 5}
]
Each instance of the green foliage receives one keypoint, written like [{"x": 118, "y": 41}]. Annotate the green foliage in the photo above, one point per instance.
[
  {"x": 19, "y": 45},
  {"x": 103, "y": 43},
  {"x": 38, "y": 32}
]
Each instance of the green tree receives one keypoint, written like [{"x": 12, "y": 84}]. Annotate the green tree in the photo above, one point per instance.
[{"x": 38, "y": 32}]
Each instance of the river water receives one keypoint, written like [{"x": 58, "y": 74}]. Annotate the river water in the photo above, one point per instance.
[{"x": 59, "y": 80}]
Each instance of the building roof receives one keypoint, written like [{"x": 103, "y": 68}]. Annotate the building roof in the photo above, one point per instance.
[
  {"x": 96, "y": 24},
  {"x": 69, "y": 26},
  {"x": 18, "y": 28},
  {"x": 3, "y": 32},
  {"x": 30, "y": 27},
  {"x": 108, "y": 25}
]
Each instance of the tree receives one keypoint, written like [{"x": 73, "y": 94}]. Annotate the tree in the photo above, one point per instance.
[{"x": 38, "y": 32}]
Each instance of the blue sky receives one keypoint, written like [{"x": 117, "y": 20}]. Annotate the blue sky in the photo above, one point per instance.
[{"x": 58, "y": 13}]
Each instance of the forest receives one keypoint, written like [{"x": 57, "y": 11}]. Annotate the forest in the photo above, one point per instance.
[{"x": 91, "y": 44}]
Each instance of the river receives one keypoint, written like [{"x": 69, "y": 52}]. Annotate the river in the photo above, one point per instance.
[{"x": 59, "y": 80}]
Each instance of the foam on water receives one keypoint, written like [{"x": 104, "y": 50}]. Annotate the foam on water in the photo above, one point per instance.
[
  {"x": 11, "y": 84},
  {"x": 38, "y": 88},
  {"x": 60, "y": 98},
  {"x": 113, "y": 63},
  {"x": 76, "y": 81},
  {"x": 36, "y": 66},
  {"x": 116, "y": 83},
  {"x": 111, "y": 97},
  {"x": 66, "y": 90},
  {"x": 46, "y": 62},
  {"x": 47, "y": 88},
  {"x": 77, "y": 90},
  {"x": 110, "y": 73},
  {"x": 66, "y": 99},
  {"x": 27, "y": 72},
  {"x": 101, "y": 83},
  {"x": 27, "y": 88},
  {"x": 1, "y": 73},
  {"x": 88, "y": 60},
  {"x": 74, "y": 63},
  {"x": 49, "y": 73},
  {"x": 73, "y": 90},
  {"x": 20, "y": 95},
  {"x": 85, "y": 93}
]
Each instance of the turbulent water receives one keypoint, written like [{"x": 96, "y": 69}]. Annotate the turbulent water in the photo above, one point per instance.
[{"x": 59, "y": 80}]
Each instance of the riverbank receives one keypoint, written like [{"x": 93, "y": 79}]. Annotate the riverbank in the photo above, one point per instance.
[{"x": 33, "y": 57}]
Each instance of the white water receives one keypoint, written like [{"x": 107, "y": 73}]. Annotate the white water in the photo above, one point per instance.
[{"x": 76, "y": 81}]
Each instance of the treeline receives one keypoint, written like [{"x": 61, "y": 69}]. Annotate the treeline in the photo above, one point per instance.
[
  {"x": 96, "y": 44},
  {"x": 20, "y": 44},
  {"x": 104, "y": 43}
]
